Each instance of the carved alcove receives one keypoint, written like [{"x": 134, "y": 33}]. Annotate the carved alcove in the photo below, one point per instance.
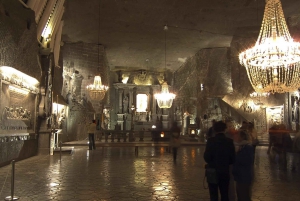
[{"x": 18, "y": 104}]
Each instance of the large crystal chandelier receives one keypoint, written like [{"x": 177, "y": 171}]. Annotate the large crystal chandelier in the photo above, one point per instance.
[
  {"x": 164, "y": 98},
  {"x": 97, "y": 91},
  {"x": 273, "y": 63}
]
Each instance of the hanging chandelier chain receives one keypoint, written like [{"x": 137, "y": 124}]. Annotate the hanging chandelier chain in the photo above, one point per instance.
[
  {"x": 98, "y": 43},
  {"x": 165, "y": 98},
  {"x": 165, "y": 29},
  {"x": 96, "y": 90}
]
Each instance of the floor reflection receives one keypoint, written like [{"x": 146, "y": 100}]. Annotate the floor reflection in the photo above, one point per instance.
[{"x": 117, "y": 174}]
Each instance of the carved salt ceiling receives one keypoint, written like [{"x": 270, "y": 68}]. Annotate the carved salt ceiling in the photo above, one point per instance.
[{"x": 132, "y": 30}]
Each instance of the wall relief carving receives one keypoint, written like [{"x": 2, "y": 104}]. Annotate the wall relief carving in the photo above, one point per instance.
[{"x": 18, "y": 102}]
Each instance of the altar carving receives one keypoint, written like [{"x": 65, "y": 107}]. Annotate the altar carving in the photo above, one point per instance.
[
  {"x": 106, "y": 119},
  {"x": 142, "y": 78},
  {"x": 138, "y": 91},
  {"x": 18, "y": 103},
  {"x": 16, "y": 113},
  {"x": 58, "y": 116}
]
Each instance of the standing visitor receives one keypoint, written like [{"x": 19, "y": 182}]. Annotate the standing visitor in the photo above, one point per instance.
[
  {"x": 175, "y": 141},
  {"x": 253, "y": 136},
  {"x": 219, "y": 155},
  {"x": 243, "y": 168},
  {"x": 211, "y": 132},
  {"x": 244, "y": 126},
  {"x": 91, "y": 132}
]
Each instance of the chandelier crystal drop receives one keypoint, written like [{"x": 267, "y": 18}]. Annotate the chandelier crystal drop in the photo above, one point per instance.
[
  {"x": 97, "y": 91},
  {"x": 164, "y": 98},
  {"x": 256, "y": 95},
  {"x": 273, "y": 64}
]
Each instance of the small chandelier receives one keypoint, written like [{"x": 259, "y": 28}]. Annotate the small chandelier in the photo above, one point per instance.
[
  {"x": 273, "y": 64},
  {"x": 97, "y": 91},
  {"x": 164, "y": 98}
]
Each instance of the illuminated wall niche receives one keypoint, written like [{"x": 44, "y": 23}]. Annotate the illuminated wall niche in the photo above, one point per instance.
[
  {"x": 141, "y": 103},
  {"x": 18, "y": 102}
]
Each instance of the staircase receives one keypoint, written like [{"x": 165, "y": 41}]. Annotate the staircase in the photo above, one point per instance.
[{"x": 229, "y": 112}]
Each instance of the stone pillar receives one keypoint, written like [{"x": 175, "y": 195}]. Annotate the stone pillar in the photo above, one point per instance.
[
  {"x": 120, "y": 120},
  {"x": 154, "y": 102},
  {"x": 130, "y": 99}
]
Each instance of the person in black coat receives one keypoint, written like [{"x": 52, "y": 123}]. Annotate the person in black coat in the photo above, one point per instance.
[{"x": 219, "y": 154}]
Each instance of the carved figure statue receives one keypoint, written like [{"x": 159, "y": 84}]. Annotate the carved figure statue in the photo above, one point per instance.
[
  {"x": 295, "y": 110},
  {"x": 149, "y": 116},
  {"x": 61, "y": 118},
  {"x": 5, "y": 113},
  {"x": 125, "y": 104}
]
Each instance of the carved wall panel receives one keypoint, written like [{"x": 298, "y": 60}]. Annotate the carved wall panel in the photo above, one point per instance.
[
  {"x": 18, "y": 105},
  {"x": 17, "y": 111}
]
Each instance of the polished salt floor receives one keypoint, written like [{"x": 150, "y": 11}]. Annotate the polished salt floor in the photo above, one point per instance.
[{"x": 118, "y": 174}]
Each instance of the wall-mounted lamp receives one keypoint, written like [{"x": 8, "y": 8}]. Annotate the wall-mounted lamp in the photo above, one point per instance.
[{"x": 18, "y": 90}]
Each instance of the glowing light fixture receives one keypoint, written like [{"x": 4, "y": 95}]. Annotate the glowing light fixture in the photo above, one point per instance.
[
  {"x": 165, "y": 98},
  {"x": 273, "y": 64},
  {"x": 19, "y": 79},
  {"x": 97, "y": 91},
  {"x": 18, "y": 90}
]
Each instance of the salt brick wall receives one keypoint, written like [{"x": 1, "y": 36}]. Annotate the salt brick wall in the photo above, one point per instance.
[
  {"x": 19, "y": 46},
  {"x": 19, "y": 49},
  {"x": 84, "y": 58},
  {"x": 209, "y": 67}
]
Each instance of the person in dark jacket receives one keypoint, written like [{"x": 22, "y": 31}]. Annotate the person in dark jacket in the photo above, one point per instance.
[
  {"x": 175, "y": 139},
  {"x": 211, "y": 131},
  {"x": 243, "y": 168},
  {"x": 219, "y": 154}
]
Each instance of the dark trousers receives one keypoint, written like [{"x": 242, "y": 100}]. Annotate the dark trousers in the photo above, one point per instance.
[
  {"x": 254, "y": 147},
  {"x": 92, "y": 141},
  {"x": 243, "y": 191},
  {"x": 174, "y": 150},
  {"x": 223, "y": 186}
]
